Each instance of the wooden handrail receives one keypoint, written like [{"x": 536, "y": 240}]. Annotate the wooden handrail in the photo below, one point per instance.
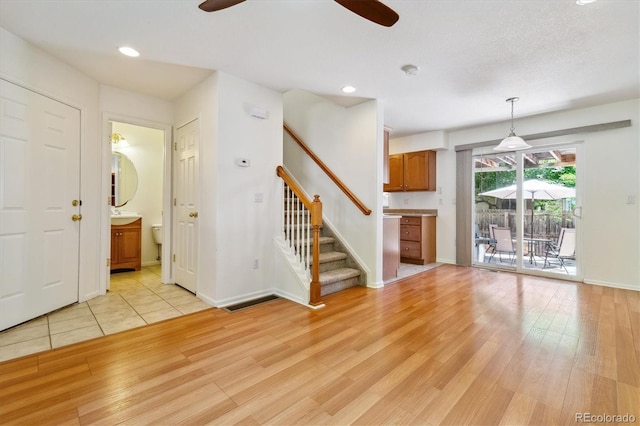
[
  {"x": 280, "y": 171},
  {"x": 366, "y": 211},
  {"x": 315, "y": 210}
]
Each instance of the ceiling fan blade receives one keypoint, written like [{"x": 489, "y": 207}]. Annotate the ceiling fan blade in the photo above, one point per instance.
[
  {"x": 373, "y": 10},
  {"x": 215, "y": 5}
]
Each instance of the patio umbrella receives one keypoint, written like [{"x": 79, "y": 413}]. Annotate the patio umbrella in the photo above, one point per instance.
[{"x": 535, "y": 190}]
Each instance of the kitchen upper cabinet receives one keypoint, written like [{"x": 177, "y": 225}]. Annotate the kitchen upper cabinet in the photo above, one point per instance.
[{"x": 412, "y": 171}]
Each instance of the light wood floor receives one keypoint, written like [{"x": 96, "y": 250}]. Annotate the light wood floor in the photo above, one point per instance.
[{"x": 452, "y": 345}]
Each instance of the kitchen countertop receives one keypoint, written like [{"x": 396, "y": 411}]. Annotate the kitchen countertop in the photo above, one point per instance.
[{"x": 411, "y": 212}]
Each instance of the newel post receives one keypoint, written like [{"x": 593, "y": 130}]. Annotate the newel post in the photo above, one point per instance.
[{"x": 316, "y": 222}]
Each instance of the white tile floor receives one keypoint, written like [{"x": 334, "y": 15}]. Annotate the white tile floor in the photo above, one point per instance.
[
  {"x": 407, "y": 270},
  {"x": 134, "y": 299}
]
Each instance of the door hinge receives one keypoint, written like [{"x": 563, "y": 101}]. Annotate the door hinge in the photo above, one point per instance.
[
  {"x": 108, "y": 262},
  {"x": 174, "y": 257},
  {"x": 174, "y": 202},
  {"x": 175, "y": 146}
]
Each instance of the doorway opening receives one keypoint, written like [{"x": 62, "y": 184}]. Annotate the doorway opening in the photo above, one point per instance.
[{"x": 139, "y": 195}]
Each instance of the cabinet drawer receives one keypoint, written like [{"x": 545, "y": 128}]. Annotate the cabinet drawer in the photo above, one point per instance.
[
  {"x": 409, "y": 220},
  {"x": 410, "y": 249},
  {"x": 410, "y": 233}
]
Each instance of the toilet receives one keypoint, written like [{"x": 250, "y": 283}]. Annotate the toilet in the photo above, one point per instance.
[{"x": 156, "y": 231}]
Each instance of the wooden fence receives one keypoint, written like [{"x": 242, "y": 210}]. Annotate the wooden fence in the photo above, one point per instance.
[{"x": 545, "y": 225}]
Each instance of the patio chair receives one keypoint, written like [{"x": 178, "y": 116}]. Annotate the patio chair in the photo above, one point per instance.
[
  {"x": 492, "y": 239},
  {"x": 563, "y": 249},
  {"x": 503, "y": 243}
]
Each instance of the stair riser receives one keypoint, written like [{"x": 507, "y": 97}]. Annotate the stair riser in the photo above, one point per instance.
[
  {"x": 324, "y": 247},
  {"x": 338, "y": 286},
  {"x": 330, "y": 266}
]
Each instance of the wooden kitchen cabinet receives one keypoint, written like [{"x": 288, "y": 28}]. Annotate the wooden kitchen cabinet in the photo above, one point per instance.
[
  {"x": 126, "y": 245},
  {"x": 418, "y": 239},
  {"x": 391, "y": 246},
  {"x": 412, "y": 171}
]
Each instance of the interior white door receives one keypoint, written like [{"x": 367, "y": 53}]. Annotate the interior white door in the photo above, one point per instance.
[
  {"x": 39, "y": 204},
  {"x": 185, "y": 226}
]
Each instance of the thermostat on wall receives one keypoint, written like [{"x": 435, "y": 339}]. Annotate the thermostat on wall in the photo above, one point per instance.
[{"x": 243, "y": 162}]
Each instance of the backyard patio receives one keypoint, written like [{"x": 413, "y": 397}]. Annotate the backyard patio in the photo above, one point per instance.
[{"x": 541, "y": 232}]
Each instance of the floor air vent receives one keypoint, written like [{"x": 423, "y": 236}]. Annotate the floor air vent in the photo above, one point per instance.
[{"x": 249, "y": 303}]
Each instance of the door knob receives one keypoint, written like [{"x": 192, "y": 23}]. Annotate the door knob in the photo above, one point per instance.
[
  {"x": 76, "y": 217},
  {"x": 193, "y": 214}
]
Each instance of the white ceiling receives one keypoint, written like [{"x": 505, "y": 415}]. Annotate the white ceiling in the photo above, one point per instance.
[{"x": 472, "y": 54}]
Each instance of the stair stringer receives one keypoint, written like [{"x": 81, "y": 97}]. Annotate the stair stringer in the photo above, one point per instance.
[{"x": 296, "y": 288}]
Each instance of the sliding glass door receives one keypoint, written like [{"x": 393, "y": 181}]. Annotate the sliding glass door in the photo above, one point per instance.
[{"x": 526, "y": 216}]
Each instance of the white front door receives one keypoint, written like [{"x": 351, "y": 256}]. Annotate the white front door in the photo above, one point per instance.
[
  {"x": 39, "y": 204},
  {"x": 185, "y": 226}
]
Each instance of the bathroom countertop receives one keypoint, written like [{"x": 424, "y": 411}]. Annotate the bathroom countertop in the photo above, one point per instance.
[{"x": 412, "y": 212}]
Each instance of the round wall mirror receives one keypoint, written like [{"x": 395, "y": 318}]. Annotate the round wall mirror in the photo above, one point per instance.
[{"x": 124, "y": 179}]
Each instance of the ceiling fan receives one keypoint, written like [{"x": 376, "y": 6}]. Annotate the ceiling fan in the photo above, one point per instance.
[{"x": 373, "y": 10}]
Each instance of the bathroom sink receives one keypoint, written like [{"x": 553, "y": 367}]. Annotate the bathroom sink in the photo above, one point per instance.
[{"x": 124, "y": 218}]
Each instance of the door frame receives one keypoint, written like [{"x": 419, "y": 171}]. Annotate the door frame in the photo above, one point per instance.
[
  {"x": 105, "y": 219},
  {"x": 580, "y": 175}
]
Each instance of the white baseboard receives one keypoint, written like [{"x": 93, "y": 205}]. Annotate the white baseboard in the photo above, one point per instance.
[
  {"x": 613, "y": 285},
  {"x": 378, "y": 284}
]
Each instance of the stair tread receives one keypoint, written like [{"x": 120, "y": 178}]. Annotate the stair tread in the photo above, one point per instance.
[
  {"x": 331, "y": 256},
  {"x": 339, "y": 274}
]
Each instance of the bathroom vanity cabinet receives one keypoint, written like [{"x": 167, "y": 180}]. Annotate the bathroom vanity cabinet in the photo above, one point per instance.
[{"x": 126, "y": 245}]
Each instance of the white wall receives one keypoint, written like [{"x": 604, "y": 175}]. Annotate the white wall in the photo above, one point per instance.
[
  {"x": 142, "y": 110},
  {"x": 608, "y": 176},
  {"x": 146, "y": 152},
  {"x": 26, "y": 65},
  {"x": 349, "y": 141},
  {"x": 245, "y": 227},
  {"x": 234, "y": 229}
]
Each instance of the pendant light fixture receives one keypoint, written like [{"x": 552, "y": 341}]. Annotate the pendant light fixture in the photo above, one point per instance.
[{"x": 512, "y": 142}]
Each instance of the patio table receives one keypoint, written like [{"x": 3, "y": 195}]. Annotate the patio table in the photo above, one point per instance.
[{"x": 533, "y": 243}]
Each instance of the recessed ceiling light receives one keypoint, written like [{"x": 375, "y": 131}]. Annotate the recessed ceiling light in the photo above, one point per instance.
[
  {"x": 129, "y": 51},
  {"x": 583, "y": 2},
  {"x": 348, "y": 89}
]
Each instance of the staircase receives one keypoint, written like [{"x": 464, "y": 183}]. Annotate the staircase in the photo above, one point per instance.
[{"x": 338, "y": 269}]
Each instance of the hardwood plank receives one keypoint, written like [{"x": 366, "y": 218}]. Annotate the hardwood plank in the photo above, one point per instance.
[
  {"x": 519, "y": 410},
  {"x": 453, "y": 345}
]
